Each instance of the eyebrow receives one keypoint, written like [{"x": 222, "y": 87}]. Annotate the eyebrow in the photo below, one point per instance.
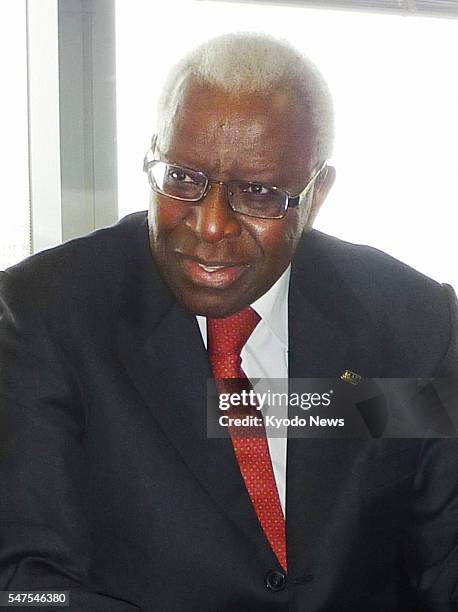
[{"x": 265, "y": 175}]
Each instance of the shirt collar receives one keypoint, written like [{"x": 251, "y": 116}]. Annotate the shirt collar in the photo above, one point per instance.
[{"x": 272, "y": 307}]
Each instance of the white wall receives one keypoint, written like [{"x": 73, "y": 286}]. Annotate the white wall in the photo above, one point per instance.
[
  {"x": 14, "y": 168},
  {"x": 395, "y": 85}
]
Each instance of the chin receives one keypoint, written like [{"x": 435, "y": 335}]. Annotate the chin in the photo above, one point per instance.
[
  {"x": 216, "y": 307},
  {"x": 215, "y": 310}
]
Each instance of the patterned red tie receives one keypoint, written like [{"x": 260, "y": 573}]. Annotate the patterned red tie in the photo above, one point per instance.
[{"x": 226, "y": 338}]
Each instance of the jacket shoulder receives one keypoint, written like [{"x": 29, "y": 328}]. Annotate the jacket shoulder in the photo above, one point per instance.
[
  {"x": 367, "y": 268},
  {"x": 414, "y": 316},
  {"x": 82, "y": 262},
  {"x": 84, "y": 274}
]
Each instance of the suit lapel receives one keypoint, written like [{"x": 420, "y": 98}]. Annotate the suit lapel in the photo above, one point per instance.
[
  {"x": 329, "y": 332},
  {"x": 162, "y": 350}
]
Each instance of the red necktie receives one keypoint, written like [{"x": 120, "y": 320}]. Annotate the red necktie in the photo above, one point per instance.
[{"x": 226, "y": 338}]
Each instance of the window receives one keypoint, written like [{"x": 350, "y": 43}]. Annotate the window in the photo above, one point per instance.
[
  {"x": 58, "y": 154},
  {"x": 14, "y": 208},
  {"x": 395, "y": 85}
]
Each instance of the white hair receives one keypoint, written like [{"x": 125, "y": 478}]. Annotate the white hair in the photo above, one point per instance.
[{"x": 253, "y": 63}]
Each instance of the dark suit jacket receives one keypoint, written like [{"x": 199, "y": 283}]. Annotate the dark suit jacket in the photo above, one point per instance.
[{"x": 110, "y": 487}]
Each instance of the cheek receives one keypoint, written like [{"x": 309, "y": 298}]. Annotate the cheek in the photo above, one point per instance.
[
  {"x": 164, "y": 215},
  {"x": 278, "y": 238}
]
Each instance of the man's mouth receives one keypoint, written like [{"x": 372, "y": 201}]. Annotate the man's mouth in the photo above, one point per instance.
[
  {"x": 212, "y": 268},
  {"x": 211, "y": 274}
]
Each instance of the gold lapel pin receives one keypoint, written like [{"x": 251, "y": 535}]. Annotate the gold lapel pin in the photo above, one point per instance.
[{"x": 351, "y": 377}]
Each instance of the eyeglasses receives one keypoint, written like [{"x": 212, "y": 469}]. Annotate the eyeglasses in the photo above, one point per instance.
[{"x": 245, "y": 197}]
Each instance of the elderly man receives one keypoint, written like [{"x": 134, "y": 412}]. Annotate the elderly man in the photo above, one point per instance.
[{"x": 111, "y": 488}]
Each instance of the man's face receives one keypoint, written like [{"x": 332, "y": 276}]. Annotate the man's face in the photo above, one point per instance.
[{"x": 214, "y": 260}]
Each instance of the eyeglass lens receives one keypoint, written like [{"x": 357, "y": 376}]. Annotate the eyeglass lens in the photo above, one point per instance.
[{"x": 245, "y": 197}]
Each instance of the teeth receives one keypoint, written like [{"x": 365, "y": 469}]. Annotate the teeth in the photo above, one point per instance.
[{"x": 211, "y": 268}]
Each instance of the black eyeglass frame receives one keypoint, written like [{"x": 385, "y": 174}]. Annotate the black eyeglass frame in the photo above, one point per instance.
[{"x": 290, "y": 200}]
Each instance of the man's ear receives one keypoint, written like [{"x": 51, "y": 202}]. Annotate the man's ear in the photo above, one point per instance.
[{"x": 321, "y": 189}]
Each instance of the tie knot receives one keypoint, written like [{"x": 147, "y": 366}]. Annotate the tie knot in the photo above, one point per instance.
[{"x": 228, "y": 336}]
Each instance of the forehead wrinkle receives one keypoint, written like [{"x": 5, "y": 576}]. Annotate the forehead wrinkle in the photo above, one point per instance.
[
  {"x": 223, "y": 149},
  {"x": 246, "y": 137},
  {"x": 231, "y": 161}
]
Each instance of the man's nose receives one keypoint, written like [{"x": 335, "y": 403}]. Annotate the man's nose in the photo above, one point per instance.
[{"x": 212, "y": 219}]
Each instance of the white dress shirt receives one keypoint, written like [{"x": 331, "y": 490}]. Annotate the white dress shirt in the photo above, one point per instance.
[{"x": 265, "y": 355}]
